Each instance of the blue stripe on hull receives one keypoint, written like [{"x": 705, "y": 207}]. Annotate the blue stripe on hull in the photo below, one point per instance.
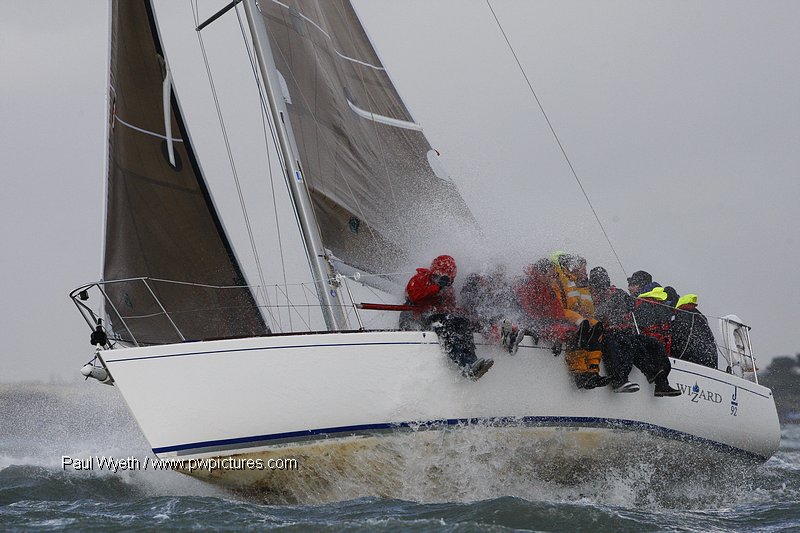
[{"x": 526, "y": 421}]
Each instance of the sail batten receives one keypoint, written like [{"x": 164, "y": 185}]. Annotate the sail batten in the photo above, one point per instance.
[
  {"x": 389, "y": 121},
  {"x": 146, "y": 132},
  {"x": 161, "y": 221}
]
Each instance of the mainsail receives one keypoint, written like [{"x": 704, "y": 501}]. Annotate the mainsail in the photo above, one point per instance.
[
  {"x": 365, "y": 161},
  {"x": 161, "y": 222}
]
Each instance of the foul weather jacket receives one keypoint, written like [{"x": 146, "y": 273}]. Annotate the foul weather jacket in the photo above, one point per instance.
[
  {"x": 653, "y": 319},
  {"x": 543, "y": 306},
  {"x": 427, "y": 296},
  {"x": 692, "y": 339},
  {"x": 614, "y": 307},
  {"x": 575, "y": 297}
]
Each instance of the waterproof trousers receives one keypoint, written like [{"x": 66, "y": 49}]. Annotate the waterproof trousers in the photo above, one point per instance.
[
  {"x": 583, "y": 361},
  {"x": 623, "y": 350},
  {"x": 584, "y": 352},
  {"x": 455, "y": 337},
  {"x": 454, "y": 332}
]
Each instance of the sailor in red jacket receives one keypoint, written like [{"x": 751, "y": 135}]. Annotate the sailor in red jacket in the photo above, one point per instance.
[
  {"x": 540, "y": 298},
  {"x": 431, "y": 292},
  {"x": 542, "y": 305},
  {"x": 431, "y": 289}
]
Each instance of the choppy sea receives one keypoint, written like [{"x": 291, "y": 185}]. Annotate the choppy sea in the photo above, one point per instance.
[{"x": 448, "y": 489}]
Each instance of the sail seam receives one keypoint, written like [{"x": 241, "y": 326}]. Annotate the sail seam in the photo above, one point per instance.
[
  {"x": 147, "y": 132},
  {"x": 338, "y": 53}
]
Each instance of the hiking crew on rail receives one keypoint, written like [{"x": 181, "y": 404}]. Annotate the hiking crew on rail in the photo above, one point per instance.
[{"x": 555, "y": 300}]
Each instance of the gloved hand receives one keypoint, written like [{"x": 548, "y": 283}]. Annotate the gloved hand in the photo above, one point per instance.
[
  {"x": 561, "y": 331},
  {"x": 557, "y": 347},
  {"x": 443, "y": 281}
]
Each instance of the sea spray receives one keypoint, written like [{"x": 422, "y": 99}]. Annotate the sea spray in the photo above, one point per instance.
[
  {"x": 42, "y": 423},
  {"x": 470, "y": 478},
  {"x": 466, "y": 463}
]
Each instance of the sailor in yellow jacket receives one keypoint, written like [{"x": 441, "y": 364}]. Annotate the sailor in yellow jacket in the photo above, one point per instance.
[{"x": 571, "y": 284}]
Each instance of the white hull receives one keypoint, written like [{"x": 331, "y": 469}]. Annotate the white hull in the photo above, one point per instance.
[{"x": 258, "y": 395}]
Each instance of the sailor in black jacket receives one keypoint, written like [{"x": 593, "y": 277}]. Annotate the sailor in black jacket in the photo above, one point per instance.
[
  {"x": 692, "y": 339},
  {"x": 623, "y": 347}
]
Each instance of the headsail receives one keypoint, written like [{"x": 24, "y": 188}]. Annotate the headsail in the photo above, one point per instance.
[
  {"x": 363, "y": 157},
  {"x": 161, "y": 221}
]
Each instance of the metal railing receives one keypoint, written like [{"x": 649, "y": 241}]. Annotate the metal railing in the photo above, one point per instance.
[
  {"x": 128, "y": 303},
  {"x": 737, "y": 349},
  {"x": 285, "y": 308}
]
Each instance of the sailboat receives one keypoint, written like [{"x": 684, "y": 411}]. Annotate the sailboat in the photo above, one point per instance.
[{"x": 207, "y": 370}]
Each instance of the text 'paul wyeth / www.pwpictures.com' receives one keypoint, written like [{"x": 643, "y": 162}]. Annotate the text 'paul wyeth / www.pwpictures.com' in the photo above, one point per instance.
[{"x": 111, "y": 464}]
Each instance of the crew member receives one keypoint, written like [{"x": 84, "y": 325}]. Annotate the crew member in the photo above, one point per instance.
[
  {"x": 431, "y": 293},
  {"x": 692, "y": 338},
  {"x": 491, "y": 304},
  {"x": 638, "y": 281},
  {"x": 653, "y": 316},
  {"x": 622, "y": 346},
  {"x": 571, "y": 286}
]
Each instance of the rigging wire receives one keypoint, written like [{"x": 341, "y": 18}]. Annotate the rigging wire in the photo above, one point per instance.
[
  {"x": 264, "y": 118},
  {"x": 231, "y": 160},
  {"x": 558, "y": 141}
]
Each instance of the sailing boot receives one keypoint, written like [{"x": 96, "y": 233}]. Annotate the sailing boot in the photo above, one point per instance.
[
  {"x": 520, "y": 334},
  {"x": 582, "y": 380},
  {"x": 626, "y": 387},
  {"x": 507, "y": 334},
  {"x": 656, "y": 376},
  {"x": 477, "y": 369},
  {"x": 557, "y": 348},
  {"x": 593, "y": 366},
  {"x": 511, "y": 337},
  {"x": 664, "y": 390},
  {"x": 590, "y": 380}
]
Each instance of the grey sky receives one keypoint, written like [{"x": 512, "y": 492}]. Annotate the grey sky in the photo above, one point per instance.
[{"x": 682, "y": 120}]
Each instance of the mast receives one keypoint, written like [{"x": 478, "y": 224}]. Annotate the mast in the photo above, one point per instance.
[{"x": 320, "y": 265}]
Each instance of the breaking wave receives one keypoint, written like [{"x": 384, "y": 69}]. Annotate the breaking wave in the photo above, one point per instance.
[{"x": 472, "y": 478}]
